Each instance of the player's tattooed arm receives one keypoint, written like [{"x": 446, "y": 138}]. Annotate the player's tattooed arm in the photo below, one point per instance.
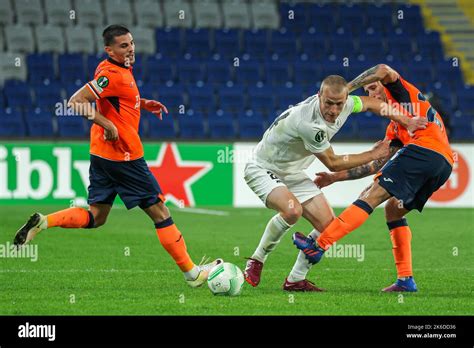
[
  {"x": 325, "y": 179},
  {"x": 380, "y": 72}
]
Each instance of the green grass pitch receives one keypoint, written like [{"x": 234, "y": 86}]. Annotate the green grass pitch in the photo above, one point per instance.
[{"x": 87, "y": 272}]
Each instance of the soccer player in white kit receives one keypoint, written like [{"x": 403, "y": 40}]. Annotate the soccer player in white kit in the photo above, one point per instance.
[{"x": 289, "y": 146}]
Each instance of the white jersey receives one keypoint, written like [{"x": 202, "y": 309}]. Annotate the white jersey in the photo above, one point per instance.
[{"x": 289, "y": 144}]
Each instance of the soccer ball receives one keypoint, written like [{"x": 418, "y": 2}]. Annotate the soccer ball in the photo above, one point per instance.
[{"x": 226, "y": 279}]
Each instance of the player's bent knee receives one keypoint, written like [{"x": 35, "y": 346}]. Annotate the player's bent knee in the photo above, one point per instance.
[
  {"x": 292, "y": 213},
  {"x": 393, "y": 211}
]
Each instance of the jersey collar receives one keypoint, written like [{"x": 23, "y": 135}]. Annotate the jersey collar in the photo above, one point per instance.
[{"x": 118, "y": 64}]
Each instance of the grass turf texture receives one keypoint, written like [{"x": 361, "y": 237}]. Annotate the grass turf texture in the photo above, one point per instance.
[{"x": 92, "y": 266}]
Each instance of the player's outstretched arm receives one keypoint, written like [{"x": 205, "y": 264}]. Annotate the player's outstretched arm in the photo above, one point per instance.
[
  {"x": 337, "y": 163},
  {"x": 155, "y": 107},
  {"x": 81, "y": 103},
  {"x": 324, "y": 179},
  {"x": 380, "y": 72},
  {"x": 393, "y": 113}
]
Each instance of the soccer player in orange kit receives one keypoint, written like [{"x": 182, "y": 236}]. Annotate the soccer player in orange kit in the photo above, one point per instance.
[
  {"x": 422, "y": 164},
  {"x": 116, "y": 155}
]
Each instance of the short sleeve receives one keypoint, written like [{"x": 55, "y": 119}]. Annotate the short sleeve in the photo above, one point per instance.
[
  {"x": 314, "y": 138},
  {"x": 105, "y": 84}
]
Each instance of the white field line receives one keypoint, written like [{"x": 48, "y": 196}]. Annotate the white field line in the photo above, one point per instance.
[{"x": 203, "y": 211}]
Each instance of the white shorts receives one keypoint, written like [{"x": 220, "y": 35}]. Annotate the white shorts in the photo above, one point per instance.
[{"x": 262, "y": 181}]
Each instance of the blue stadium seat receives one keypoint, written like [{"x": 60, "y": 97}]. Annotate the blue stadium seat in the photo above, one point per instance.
[
  {"x": 343, "y": 45},
  {"x": 231, "y": 97},
  {"x": 283, "y": 43},
  {"x": 251, "y": 125},
  {"x": 169, "y": 41},
  {"x": 11, "y": 123},
  {"x": 17, "y": 94},
  {"x": 71, "y": 67},
  {"x": 218, "y": 71},
  {"x": 256, "y": 43},
  {"x": 379, "y": 18},
  {"x": 190, "y": 71},
  {"x": 40, "y": 67},
  {"x": 71, "y": 126},
  {"x": 261, "y": 98},
  {"x": 296, "y": 20},
  {"x": 201, "y": 97},
  {"x": 289, "y": 94},
  {"x": 197, "y": 42},
  {"x": 352, "y": 17},
  {"x": 449, "y": 73},
  {"x": 227, "y": 43},
  {"x": 191, "y": 125},
  {"x": 221, "y": 125},
  {"x": 400, "y": 45},
  {"x": 306, "y": 72},
  {"x": 347, "y": 131},
  {"x": 249, "y": 71},
  {"x": 160, "y": 129},
  {"x": 160, "y": 69},
  {"x": 314, "y": 43},
  {"x": 372, "y": 45},
  {"x": 172, "y": 96},
  {"x": 39, "y": 122},
  {"x": 277, "y": 71},
  {"x": 47, "y": 95},
  {"x": 462, "y": 126},
  {"x": 324, "y": 17}
]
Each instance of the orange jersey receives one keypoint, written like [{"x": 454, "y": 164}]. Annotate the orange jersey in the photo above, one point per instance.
[
  {"x": 118, "y": 99},
  {"x": 412, "y": 100}
]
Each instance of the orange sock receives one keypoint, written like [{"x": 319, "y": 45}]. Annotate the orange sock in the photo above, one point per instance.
[
  {"x": 400, "y": 234},
  {"x": 71, "y": 218},
  {"x": 173, "y": 241},
  {"x": 350, "y": 219}
]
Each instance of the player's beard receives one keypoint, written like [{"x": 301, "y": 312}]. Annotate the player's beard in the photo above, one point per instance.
[{"x": 129, "y": 60}]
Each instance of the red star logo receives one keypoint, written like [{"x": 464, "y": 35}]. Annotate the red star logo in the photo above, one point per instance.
[{"x": 176, "y": 176}]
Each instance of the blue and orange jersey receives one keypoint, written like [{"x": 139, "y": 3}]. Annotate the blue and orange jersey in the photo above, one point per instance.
[
  {"x": 414, "y": 102},
  {"x": 118, "y": 99}
]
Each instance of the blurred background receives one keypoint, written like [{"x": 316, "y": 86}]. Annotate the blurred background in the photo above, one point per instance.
[{"x": 225, "y": 69}]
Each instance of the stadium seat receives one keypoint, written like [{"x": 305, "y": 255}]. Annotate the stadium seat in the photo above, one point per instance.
[
  {"x": 119, "y": 11},
  {"x": 17, "y": 94},
  {"x": 29, "y": 12},
  {"x": 149, "y": 13},
  {"x": 71, "y": 67},
  {"x": 372, "y": 45},
  {"x": 221, "y": 125},
  {"x": 197, "y": 42},
  {"x": 89, "y": 13},
  {"x": 191, "y": 125},
  {"x": 250, "y": 125},
  {"x": 6, "y": 13},
  {"x": 207, "y": 14},
  {"x": 314, "y": 44},
  {"x": 47, "y": 95},
  {"x": 39, "y": 122},
  {"x": 261, "y": 98},
  {"x": 265, "y": 15},
  {"x": 178, "y": 13},
  {"x": 379, "y": 18},
  {"x": 19, "y": 38},
  {"x": 80, "y": 40},
  {"x": 168, "y": 41},
  {"x": 190, "y": 70},
  {"x": 201, "y": 98},
  {"x": 284, "y": 43},
  {"x": 231, "y": 97},
  {"x": 11, "y": 67},
  {"x": 400, "y": 45},
  {"x": 171, "y": 95},
  {"x": 306, "y": 72},
  {"x": 58, "y": 12},
  {"x": 144, "y": 39},
  {"x": 50, "y": 39},
  {"x": 160, "y": 69},
  {"x": 324, "y": 17},
  {"x": 160, "y": 129},
  {"x": 41, "y": 67},
  {"x": 227, "y": 43},
  {"x": 352, "y": 17},
  {"x": 93, "y": 60},
  {"x": 347, "y": 131},
  {"x": 277, "y": 71},
  {"x": 236, "y": 14},
  {"x": 287, "y": 95},
  {"x": 255, "y": 43},
  {"x": 11, "y": 123},
  {"x": 248, "y": 71},
  {"x": 293, "y": 17},
  {"x": 71, "y": 126},
  {"x": 370, "y": 126},
  {"x": 218, "y": 71},
  {"x": 342, "y": 45}
]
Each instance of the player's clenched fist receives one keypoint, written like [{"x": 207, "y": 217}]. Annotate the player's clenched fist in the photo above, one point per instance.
[
  {"x": 324, "y": 179},
  {"x": 111, "y": 133}
]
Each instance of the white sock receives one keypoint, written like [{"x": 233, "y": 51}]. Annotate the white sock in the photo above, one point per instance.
[
  {"x": 302, "y": 265},
  {"x": 276, "y": 228},
  {"x": 192, "y": 274}
]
